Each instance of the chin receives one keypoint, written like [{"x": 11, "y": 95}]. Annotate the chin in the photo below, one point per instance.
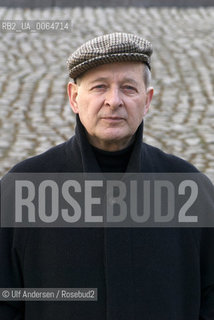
[
  {"x": 114, "y": 134},
  {"x": 113, "y": 138}
]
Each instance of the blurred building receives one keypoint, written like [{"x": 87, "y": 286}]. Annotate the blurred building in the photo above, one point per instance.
[{"x": 101, "y": 3}]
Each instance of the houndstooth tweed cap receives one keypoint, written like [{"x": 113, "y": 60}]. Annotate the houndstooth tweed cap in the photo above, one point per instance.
[{"x": 108, "y": 48}]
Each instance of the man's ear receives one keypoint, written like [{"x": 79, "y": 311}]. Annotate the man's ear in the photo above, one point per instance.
[
  {"x": 72, "y": 90},
  {"x": 149, "y": 95}
]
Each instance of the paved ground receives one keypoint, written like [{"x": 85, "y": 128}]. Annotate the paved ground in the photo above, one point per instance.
[{"x": 35, "y": 113}]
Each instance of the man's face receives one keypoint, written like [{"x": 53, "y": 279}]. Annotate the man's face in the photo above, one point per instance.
[{"x": 111, "y": 101}]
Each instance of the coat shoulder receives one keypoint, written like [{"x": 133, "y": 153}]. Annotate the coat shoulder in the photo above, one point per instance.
[
  {"x": 159, "y": 161},
  {"x": 52, "y": 160}
]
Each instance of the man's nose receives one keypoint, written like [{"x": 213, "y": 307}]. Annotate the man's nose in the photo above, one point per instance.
[{"x": 113, "y": 98}]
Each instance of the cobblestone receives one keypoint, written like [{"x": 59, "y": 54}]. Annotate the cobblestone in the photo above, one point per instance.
[{"x": 35, "y": 112}]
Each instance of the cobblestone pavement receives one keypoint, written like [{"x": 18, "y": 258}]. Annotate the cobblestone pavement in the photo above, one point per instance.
[{"x": 34, "y": 108}]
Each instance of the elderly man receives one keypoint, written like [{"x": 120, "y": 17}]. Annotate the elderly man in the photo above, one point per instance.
[{"x": 143, "y": 273}]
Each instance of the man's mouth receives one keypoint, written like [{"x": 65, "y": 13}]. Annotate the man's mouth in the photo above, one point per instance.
[{"x": 112, "y": 118}]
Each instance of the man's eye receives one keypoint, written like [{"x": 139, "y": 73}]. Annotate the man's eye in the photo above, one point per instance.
[
  {"x": 129, "y": 88},
  {"x": 99, "y": 86}
]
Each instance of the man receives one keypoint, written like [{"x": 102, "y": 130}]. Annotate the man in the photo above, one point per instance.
[{"x": 143, "y": 273}]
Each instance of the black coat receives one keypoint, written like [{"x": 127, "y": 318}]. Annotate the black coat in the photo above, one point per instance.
[{"x": 145, "y": 273}]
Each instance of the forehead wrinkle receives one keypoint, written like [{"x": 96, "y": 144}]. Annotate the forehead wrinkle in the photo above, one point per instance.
[
  {"x": 131, "y": 80},
  {"x": 98, "y": 79},
  {"x": 120, "y": 71},
  {"x": 123, "y": 80}
]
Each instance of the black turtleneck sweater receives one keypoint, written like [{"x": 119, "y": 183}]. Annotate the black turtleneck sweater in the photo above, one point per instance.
[{"x": 113, "y": 161}]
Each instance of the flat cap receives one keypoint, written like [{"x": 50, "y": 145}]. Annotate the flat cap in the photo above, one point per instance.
[{"x": 108, "y": 48}]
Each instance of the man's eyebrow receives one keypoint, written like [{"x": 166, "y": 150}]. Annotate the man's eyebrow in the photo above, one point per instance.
[
  {"x": 127, "y": 79},
  {"x": 130, "y": 80},
  {"x": 98, "y": 80}
]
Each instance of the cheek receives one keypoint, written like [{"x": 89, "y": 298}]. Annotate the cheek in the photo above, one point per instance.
[
  {"x": 88, "y": 105},
  {"x": 136, "y": 112},
  {"x": 87, "y": 113},
  {"x": 82, "y": 108}
]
